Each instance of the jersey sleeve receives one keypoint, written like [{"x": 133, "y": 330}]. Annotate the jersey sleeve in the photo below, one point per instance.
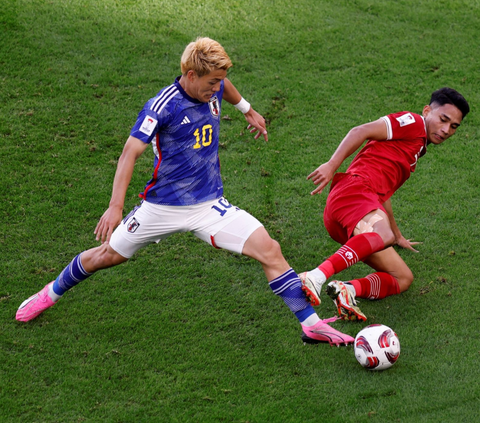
[
  {"x": 146, "y": 126},
  {"x": 154, "y": 116},
  {"x": 404, "y": 125}
]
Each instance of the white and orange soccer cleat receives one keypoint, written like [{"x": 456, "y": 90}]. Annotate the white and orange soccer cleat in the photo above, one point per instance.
[
  {"x": 345, "y": 301},
  {"x": 311, "y": 288}
]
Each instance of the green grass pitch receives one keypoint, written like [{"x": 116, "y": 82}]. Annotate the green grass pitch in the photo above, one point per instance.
[{"x": 186, "y": 333}]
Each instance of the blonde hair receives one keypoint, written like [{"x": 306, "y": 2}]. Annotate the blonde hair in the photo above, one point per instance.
[{"x": 203, "y": 56}]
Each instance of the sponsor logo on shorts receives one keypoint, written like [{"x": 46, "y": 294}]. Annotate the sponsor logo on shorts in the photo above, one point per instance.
[{"x": 133, "y": 225}]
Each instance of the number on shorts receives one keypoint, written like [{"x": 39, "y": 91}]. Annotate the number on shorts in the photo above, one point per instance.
[{"x": 225, "y": 204}]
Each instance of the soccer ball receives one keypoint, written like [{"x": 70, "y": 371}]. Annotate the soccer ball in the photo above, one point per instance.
[{"x": 377, "y": 347}]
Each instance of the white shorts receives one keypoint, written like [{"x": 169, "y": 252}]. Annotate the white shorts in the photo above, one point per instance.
[{"x": 217, "y": 222}]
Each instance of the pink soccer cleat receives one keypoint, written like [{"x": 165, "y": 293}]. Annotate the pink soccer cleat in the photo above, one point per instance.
[
  {"x": 34, "y": 305},
  {"x": 322, "y": 332}
]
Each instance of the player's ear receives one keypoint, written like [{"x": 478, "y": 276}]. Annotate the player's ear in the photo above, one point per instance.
[
  {"x": 191, "y": 75},
  {"x": 426, "y": 110}
]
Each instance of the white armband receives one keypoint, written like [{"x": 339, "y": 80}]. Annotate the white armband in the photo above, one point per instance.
[{"x": 243, "y": 105}]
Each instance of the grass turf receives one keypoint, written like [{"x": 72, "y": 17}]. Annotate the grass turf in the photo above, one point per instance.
[{"x": 187, "y": 333}]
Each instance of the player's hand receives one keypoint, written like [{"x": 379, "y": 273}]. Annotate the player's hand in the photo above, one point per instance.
[
  {"x": 256, "y": 123},
  {"x": 321, "y": 176},
  {"x": 107, "y": 224},
  {"x": 407, "y": 243}
]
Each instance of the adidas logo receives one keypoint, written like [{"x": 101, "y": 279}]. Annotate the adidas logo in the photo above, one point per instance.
[{"x": 185, "y": 120}]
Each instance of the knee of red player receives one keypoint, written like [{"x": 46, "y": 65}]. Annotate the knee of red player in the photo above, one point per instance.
[{"x": 378, "y": 222}]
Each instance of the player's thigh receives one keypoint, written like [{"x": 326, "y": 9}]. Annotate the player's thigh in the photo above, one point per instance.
[
  {"x": 348, "y": 203},
  {"x": 376, "y": 221},
  {"x": 147, "y": 224},
  {"x": 389, "y": 261},
  {"x": 225, "y": 226}
]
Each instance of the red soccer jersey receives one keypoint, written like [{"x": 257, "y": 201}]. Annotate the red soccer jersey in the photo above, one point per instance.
[{"x": 387, "y": 164}]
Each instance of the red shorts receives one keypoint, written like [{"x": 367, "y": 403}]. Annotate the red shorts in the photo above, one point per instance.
[{"x": 349, "y": 200}]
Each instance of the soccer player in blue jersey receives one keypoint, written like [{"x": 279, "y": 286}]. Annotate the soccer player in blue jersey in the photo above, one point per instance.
[{"x": 185, "y": 193}]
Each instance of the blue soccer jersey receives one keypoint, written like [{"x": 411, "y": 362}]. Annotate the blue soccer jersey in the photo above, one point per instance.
[{"x": 184, "y": 134}]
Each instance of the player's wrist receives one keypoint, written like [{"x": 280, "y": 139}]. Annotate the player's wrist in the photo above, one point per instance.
[
  {"x": 243, "y": 105},
  {"x": 115, "y": 206}
]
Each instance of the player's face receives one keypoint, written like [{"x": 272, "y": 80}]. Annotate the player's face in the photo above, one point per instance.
[
  {"x": 441, "y": 121},
  {"x": 203, "y": 87}
]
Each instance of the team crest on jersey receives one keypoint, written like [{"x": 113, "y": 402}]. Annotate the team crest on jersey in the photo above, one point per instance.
[
  {"x": 214, "y": 106},
  {"x": 133, "y": 225},
  {"x": 406, "y": 119}
]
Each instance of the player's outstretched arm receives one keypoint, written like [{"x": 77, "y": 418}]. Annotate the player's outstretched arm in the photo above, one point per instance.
[
  {"x": 321, "y": 176},
  {"x": 113, "y": 215},
  {"x": 256, "y": 122}
]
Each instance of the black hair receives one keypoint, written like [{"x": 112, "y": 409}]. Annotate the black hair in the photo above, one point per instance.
[{"x": 450, "y": 96}]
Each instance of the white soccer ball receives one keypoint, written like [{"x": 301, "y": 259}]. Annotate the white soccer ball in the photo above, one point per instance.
[{"x": 377, "y": 347}]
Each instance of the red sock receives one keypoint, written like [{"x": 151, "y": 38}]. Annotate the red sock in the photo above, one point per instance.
[
  {"x": 376, "y": 286},
  {"x": 356, "y": 249}
]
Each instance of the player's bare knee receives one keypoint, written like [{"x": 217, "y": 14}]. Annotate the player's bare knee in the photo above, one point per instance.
[
  {"x": 388, "y": 237},
  {"x": 101, "y": 258},
  {"x": 113, "y": 258},
  {"x": 270, "y": 253},
  {"x": 378, "y": 223},
  {"x": 273, "y": 251},
  {"x": 405, "y": 281},
  {"x": 260, "y": 246}
]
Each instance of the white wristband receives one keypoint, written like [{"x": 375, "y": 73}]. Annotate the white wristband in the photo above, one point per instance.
[{"x": 243, "y": 105}]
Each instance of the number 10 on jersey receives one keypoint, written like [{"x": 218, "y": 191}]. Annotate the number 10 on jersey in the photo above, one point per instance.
[{"x": 204, "y": 141}]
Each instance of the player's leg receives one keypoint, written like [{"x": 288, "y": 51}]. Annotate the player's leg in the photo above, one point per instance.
[
  {"x": 343, "y": 294},
  {"x": 352, "y": 208},
  {"x": 144, "y": 225},
  {"x": 372, "y": 234},
  {"x": 375, "y": 235},
  {"x": 393, "y": 276},
  {"x": 80, "y": 268},
  {"x": 285, "y": 283},
  {"x": 282, "y": 279},
  {"x": 238, "y": 231}
]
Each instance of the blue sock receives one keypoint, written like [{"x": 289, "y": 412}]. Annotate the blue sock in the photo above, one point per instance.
[
  {"x": 304, "y": 314},
  {"x": 73, "y": 274},
  {"x": 289, "y": 287}
]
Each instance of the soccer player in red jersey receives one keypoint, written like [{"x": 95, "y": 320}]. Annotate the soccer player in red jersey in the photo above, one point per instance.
[{"x": 358, "y": 212}]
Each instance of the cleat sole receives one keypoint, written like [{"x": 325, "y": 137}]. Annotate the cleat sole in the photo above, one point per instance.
[{"x": 311, "y": 297}]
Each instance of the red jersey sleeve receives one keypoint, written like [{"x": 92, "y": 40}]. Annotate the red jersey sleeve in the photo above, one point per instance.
[{"x": 404, "y": 126}]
